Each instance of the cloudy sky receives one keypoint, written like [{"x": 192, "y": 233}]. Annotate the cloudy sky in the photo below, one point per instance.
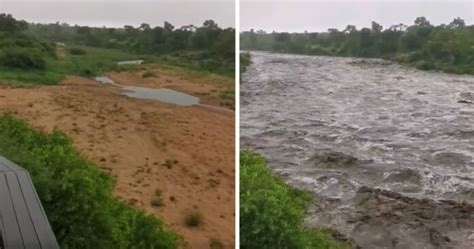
[
  {"x": 316, "y": 15},
  {"x": 118, "y": 13}
]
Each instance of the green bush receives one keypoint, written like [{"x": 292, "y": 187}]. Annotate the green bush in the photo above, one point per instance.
[
  {"x": 424, "y": 65},
  {"x": 149, "y": 75},
  {"x": 245, "y": 61},
  {"x": 22, "y": 59},
  {"x": 272, "y": 213},
  {"x": 77, "y": 51},
  {"x": 193, "y": 218},
  {"x": 77, "y": 195}
]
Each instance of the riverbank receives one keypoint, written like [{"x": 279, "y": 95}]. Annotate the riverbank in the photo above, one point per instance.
[
  {"x": 185, "y": 153},
  {"x": 272, "y": 212},
  {"x": 405, "y": 59}
]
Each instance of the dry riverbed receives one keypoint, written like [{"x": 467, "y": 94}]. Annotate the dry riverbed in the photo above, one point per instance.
[{"x": 185, "y": 152}]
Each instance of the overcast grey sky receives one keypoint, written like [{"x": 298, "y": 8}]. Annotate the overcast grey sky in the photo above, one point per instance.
[
  {"x": 122, "y": 12},
  {"x": 316, "y": 15}
]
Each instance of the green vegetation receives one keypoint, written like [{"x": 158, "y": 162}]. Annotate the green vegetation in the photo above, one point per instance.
[
  {"x": 77, "y": 51},
  {"x": 19, "y": 52},
  {"x": 90, "y": 64},
  {"x": 157, "y": 200},
  {"x": 193, "y": 218},
  {"x": 46, "y": 53},
  {"x": 245, "y": 61},
  {"x": 448, "y": 48},
  {"x": 77, "y": 195},
  {"x": 26, "y": 60},
  {"x": 149, "y": 74},
  {"x": 208, "y": 47},
  {"x": 215, "y": 244},
  {"x": 21, "y": 59},
  {"x": 272, "y": 213},
  {"x": 228, "y": 98}
]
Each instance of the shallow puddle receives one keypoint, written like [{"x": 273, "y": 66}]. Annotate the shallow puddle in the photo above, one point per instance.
[
  {"x": 164, "y": 95},
  {"x": 134, "y": 62}
]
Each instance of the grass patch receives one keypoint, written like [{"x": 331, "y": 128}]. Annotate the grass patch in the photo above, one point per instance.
[
  {"x": 272, "y": 212},
  {"x": 149, "y": 75},
  {"x": 169, "y": 163},
  {"x": 91, "y": 63},
  {"x": 215, "y": 244},
  {"x": 228, "y": 98},
  {"x": 77, "y": 195},
  {"x": 76, "y": 51},
  {"x": 198, "y": 61},
  {"x": 157, "y": 200},
  {"x": 193, "y": 218},
  {"x": 213, "y": 183}
]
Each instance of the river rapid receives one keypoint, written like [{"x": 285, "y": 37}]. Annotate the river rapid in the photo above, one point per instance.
[{"x": 387, "y": 150}]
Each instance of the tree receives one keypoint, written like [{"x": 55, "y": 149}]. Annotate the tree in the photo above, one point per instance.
[
  {"x": 225, "y": 45},
  {"x": 11, "y": 25},
  {"x": 210, "y": 24},
  {"x": 376, "y": 27},
  {"x": 456, "y": 23},
  {"x": 130, "y": 30},
  {"x": 282, "y": 37},
  {"x": 168, "y": 26},
  {"x": 398, "y": 27},
  {"x": 145, "y": 27},
  {"x": 422, "y": 22},
  {"x": 350, "y": 29},
  {"x": 84, "y": 30},
  {"x": 390, "y": 40}
]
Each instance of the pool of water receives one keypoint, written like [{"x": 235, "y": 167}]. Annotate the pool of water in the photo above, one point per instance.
[
  {"x": 132, "y": 62},
  {"x": 164, "y": 95}
]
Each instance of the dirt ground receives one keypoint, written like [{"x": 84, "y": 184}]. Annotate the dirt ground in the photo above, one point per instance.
[{"x": 185, "y": 152}]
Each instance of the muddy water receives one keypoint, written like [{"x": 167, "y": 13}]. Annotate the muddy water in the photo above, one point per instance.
[
  {"x": 387, "y": 150},
  {"x": 164, "y": 95}
]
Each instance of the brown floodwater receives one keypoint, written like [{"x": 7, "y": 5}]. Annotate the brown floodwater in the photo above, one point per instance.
[{"x": 387, "y": 150}]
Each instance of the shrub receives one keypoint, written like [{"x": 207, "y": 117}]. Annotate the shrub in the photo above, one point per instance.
[
  {"x": 271, "y": 212},
  {"x": 245, "y": 61},
  {"x": 149, "y": 75},
  {"x": 215, "y": 244},
  {"x": 22, "y": 59},
  {"x": 424, "y": 65},
  {"x": 77, "y": 51},
  {"x": 157, "y": 200},
  {"x": 193, "y": 218},
  {"x": 169, "y": 163},
  {"x": 77, "y": 195},
  {"x": 87, "y": 72}
]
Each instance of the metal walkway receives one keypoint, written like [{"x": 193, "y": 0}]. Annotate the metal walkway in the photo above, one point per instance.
[{"x": 23, "y": 222}]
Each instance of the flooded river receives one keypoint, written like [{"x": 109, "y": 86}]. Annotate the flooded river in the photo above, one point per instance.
[{"x": 387, "y": 150}]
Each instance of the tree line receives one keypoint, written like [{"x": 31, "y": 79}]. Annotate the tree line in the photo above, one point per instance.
[
  {"x": 447, "y": 47},
  {"x": 213, "y": 41},
  {"x": 209, "y": 46}
]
